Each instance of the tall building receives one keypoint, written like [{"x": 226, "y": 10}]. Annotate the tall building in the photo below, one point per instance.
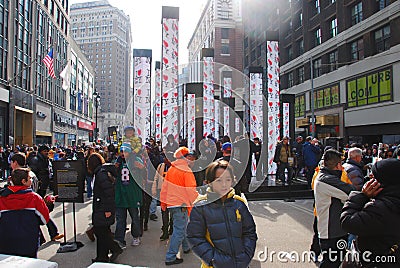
[
  {"x": 220, "y": 28},
  {"x": 342, "y": 59},
  {"x": 29, "y": 96},
  {"x": 260, "y": 23},
  {"x": 103, "y": 33}
]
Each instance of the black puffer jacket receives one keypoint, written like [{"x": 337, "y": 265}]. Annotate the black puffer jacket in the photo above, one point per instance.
[
  {"x": 40, "y": 166},
  {"x": 375, "y": 221},
  {"x": 104, "y": 195}
]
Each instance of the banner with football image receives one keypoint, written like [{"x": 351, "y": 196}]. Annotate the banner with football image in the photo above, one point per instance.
[
  {"x": 169, "y": 73},
  {"x": 141, "y": 93},
  {"x": 227, "y": 87},
  {"x": 157, "y": 88},
  {"x": 286, "y": 128},
  {"x": 208, "y": 97},
  {"x": 256, "y": 111},
  {"x": 226, "y": 120},
  {"x": 273, "y": 102},
  {"x": 191, "y": 126}
]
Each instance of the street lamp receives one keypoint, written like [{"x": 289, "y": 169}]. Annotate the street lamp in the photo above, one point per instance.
[{"x": 96, "y": 97}]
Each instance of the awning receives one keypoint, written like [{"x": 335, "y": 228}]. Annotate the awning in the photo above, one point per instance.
[{"x": 43, "y": 133}]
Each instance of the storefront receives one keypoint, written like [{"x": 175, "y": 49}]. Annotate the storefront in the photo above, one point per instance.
[
  {"x": 85, "y": 132},
  {"x": 4, "y": 106},
  {"x": 65, "y": 128},
  {"x": 43, "y": 123}
]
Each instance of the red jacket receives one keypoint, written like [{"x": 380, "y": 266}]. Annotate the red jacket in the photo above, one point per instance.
[
  {"x": 21, "y": 213},
  {"x": 179, "y": 187}
]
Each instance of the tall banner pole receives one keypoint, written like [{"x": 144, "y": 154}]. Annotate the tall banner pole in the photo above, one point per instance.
[
  {"x": 169, "y": 73},
  {"x": 141, "y": 92},
  {"x": 157, "y": 112}
]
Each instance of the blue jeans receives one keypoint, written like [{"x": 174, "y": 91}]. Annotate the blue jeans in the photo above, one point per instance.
[
  {"x": 153, "y": 206},
  {"x": 89, "y": 190},
  {"x": 180, "y": 218},
  {"x": 120, "y": 229}
]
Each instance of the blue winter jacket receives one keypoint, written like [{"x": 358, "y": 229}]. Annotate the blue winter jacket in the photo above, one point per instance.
[
  {"x": 311, "y": 154},
  {"x": 229, "y": 228}
]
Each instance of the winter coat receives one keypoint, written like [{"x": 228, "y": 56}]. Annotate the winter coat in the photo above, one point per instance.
[
  {"x": 222, "y": 233},
  {"x": 21, "y": 213},
  {"x": 40, "y": 166},
  {"x": 375, "y": 222},
  {"x": 179, "y": 187},
  {"x": 355, "y": 173},
  {"x": 158, "y": 180},
  {"x": 103, "y": 195},
  {"x": 329, "y": 192},
  {"x": 128, "y": 193},
  {"x": 278, "y": 152},
  {"x": 311, "y": 154}
]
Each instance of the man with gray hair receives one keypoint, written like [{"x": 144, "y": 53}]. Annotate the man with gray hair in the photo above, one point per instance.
[{"x": 354, "y": 167}]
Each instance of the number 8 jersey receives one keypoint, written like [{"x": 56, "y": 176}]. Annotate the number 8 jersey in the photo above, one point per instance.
[{"x": 128, "y": 193}]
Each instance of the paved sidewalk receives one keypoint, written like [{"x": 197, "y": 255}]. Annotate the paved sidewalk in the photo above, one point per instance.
[{"x": 280, "y": 227}]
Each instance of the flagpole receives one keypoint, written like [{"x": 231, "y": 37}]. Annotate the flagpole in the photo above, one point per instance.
[{"x": 23, "y": 69}]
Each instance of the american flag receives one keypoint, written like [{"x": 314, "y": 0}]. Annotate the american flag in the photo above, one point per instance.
[{"x": 48, "y": 61}]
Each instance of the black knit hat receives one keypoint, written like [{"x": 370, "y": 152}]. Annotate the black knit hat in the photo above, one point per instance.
[
  {"x": 387, "y": 171},
  {"x": 43, "y": 148}
]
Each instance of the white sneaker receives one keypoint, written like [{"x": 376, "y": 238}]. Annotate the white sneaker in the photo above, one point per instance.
[{"x": 135, "y": 241}]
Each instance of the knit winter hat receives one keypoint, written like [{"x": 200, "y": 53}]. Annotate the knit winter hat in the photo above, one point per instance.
[
  {"x": 387, "y": 171},
  {"x": 181, "y": 152}
]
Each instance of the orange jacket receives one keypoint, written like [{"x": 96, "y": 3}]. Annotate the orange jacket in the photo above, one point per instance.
[{"x": 179, "y": 187}]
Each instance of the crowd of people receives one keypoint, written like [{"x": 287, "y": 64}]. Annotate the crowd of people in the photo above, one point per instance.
[{"x": 203, "y": 208}]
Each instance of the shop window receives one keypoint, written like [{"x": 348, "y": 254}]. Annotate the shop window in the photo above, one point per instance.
[
  {"x": 326, "y": 97},
  {"x": 374, "y": 87}
]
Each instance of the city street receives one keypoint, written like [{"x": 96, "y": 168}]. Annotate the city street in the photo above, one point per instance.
[{"x": 281, "y": 227}]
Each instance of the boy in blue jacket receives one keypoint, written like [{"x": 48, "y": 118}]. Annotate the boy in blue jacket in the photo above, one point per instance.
[
  {"x": 22, "y": 211},
  {"x": 221, "y": 230}
]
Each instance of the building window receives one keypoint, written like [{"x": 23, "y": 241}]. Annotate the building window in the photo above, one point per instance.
[
  {"x": 225, "y": 49},
  {"x": 290, "y": 79},
  {"x": 317, "y": 6},
  {"x": 246, "y": 42},
  {"x": 300, "y": 106},
  {"x": 326, "y": 97},
  {"x": 301, "y": 74},
  {"x": 318, "y": 37},
  {"x": 383, "y": 4},
  {"x": 356, "y": 14},
  {"x": 224, "y": 33},
  {"x": 290, "y": 53},
  {"x": 317, "y": 67},
  {"x": 301, "y": 46},
  {"x": 333, "y": 60},
  {"x": 357, "y": 50},
  {"x": 333, "y": 1},
  {"x": 334, "y": 29},
  {"x": 382, "y": 39},
  {"x": 371, "y": 88}
]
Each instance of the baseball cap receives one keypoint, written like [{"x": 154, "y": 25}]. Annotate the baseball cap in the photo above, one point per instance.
[{"x": 227, "y": 146}]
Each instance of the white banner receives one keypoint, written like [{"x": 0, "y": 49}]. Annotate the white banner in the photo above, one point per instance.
[
  {"x": 191, "y": 123},
  {"x": 227, "y": 87},
  {"x": 208, "y": 96},
  {"x": 141, "y": 93},
  {"x": 216, "y": 123},
  {"x": 158, "y": 105},
  {"x": 226, "y": 121},
  {"x": 169, "y": 78},
  {"x": 237, "y": 125},
  {"x": 286, "y": 130},
  {"x": 273, "y": 102},
  {"x": 256, "y": 106}
]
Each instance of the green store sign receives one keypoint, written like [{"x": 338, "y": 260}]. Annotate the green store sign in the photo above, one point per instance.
[
  {"x": 326, "y": 97},
  {"x": 371, "y": 88}
]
